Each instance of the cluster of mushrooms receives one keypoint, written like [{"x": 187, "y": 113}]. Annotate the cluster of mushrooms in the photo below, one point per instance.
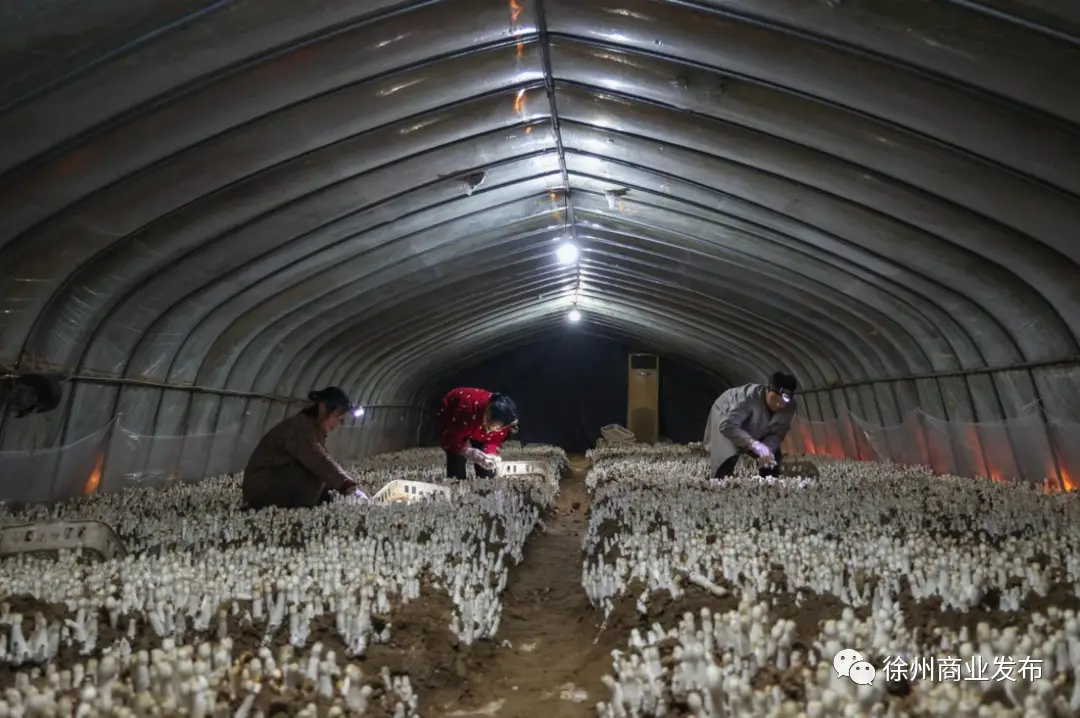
[
  {"x": 856, "y": 589},
  {"x": 219, "y": 611},
  {"x": 952, "y": 596}
]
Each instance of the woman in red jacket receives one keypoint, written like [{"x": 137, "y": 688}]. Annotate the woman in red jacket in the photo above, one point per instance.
[{"x": 472, "y": 425}]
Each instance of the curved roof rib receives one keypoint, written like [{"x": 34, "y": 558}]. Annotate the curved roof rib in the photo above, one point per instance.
[{"x": 265, "y": 196}]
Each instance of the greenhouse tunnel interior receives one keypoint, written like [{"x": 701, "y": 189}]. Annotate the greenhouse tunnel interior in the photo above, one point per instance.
[
  {"x": 210, "y": 209},
  {"x": 590, "y": 371}
]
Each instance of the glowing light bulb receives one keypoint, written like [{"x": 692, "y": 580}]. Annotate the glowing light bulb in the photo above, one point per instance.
[
  {"x": 567, "y": 253},
  {"x": 574, "y": 315},
  {"x": 358, "y": 412}
]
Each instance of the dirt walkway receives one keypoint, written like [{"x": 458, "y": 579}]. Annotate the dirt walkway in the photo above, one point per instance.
[{"x": 551, "y": 667}]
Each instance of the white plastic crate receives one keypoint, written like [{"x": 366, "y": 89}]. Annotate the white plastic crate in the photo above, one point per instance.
[
  {"x": 524, "y": 468},
  {"x": 56, "y": 535},
  {"x": 616, "y": 434},
  {"x": 400, "y": 490}
]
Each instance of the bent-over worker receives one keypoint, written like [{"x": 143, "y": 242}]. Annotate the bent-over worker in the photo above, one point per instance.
[
  {"x": 751, "y": 419},
  {"x": 290, "y": 467},
  {"x": 472, "y": 425}
]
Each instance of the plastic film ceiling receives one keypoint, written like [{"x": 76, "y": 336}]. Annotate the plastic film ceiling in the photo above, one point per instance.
[{"x": 263, "y": 196}]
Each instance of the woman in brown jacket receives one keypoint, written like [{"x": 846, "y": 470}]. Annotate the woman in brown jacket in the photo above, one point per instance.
[{"x": 290, "y": 467}]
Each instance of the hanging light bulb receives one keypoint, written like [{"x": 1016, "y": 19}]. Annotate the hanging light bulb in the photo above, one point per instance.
[
  {"x": 574, "y": 315},
  {"x": 567, "y": 253},
  {"x": 358, "y": 412}
]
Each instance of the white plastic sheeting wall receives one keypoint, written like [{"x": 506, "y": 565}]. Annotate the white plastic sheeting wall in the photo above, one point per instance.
[
  {"x": 114, "y": 457},
  {"x": 1028, "y": 448},
  {"x": 1017, "y": 423}
]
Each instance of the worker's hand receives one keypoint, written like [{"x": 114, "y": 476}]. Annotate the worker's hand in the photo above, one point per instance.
[
  {"x": 348, "y": 487},
  {"x": 761, "y": 451},
  {"x": 766, "y": 462},
  {"x": 475, "y": 455}
]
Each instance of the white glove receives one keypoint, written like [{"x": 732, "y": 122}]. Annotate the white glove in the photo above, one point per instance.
[
  {"x": 475, "y": 455},
  {"x": 764, "y": 453}
]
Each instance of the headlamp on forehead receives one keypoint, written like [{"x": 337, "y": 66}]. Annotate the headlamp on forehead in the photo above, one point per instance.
[{"x": 784, "y": 386}]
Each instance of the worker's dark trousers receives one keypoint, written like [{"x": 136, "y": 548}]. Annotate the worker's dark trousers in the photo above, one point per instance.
[
  {"x": 728, "y": 467},
  {"x": 456, "y": 466}
]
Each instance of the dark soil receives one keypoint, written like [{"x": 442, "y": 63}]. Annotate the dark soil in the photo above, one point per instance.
[{"x": 550, "y": 638}]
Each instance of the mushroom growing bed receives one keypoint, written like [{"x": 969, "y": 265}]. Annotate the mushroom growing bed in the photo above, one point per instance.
[
  {"x": 345, "y": 609},
  {"x": 652, "y": 592},
  {"x": 870, "y": 590}
]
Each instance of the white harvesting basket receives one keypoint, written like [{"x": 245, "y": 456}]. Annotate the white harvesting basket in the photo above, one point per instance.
[
  {"x": 400, "y": 490},
  {"x": 524, "y": 468},
  {"x": 616, "y": 434},
  {"x": 57, "y": 535}
]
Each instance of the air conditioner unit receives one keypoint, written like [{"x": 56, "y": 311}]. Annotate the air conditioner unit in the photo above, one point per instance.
[{"x": 643, "y": 397}]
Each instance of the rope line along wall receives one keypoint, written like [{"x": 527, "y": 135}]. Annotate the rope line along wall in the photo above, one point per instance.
[
  {"x": 1073, "y": 361},
  {"x": 154, "y": 384}
]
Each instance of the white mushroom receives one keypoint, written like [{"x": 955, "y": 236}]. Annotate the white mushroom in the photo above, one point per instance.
[{"x": 962, "y": 592}]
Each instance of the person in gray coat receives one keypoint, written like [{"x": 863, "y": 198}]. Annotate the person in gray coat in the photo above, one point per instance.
[{"x": 751, "y": 419}]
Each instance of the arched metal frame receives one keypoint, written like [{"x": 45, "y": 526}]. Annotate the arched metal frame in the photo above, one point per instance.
[{"x": 269, "y": 196}]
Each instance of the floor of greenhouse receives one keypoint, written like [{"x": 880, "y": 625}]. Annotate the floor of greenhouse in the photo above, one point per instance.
[
  {"x": 550, "y": 654},
  {"x": 553, "y": 647}
]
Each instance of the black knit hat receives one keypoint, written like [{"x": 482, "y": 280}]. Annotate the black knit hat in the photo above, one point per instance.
[
  {"x": 333, "y": 398},
  {"x": 503, "y": 410},
  {"x": 783, "y": 383}
]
